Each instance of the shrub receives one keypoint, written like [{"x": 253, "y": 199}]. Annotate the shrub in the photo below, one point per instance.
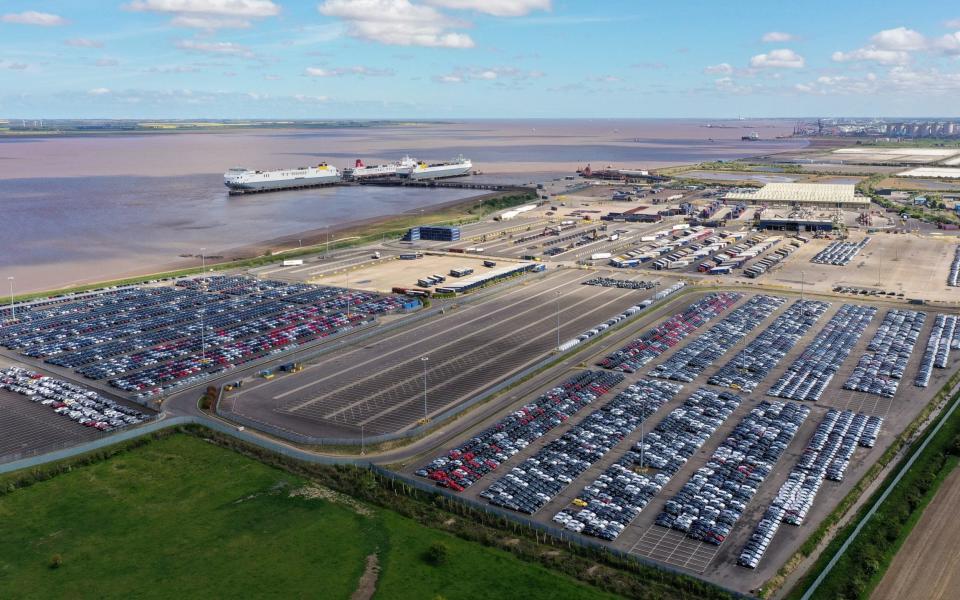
[
  {"x": 55, "y": 561},
  {"x": 437, "y": 554}
]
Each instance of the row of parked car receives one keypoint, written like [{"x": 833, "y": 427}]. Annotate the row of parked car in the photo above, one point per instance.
[
  {"x": 464, "y": 465},
  {"x": 611, "y": 502},
  {"x": 839, "y": 253},
  {"x": 937, "y": 353},
  {"x": 147, "y": 338},
  {"x": 537, "y": 480},
  {"x": 668, "y": 334},
  {"x": 954, "y": 268},
  {"x": 825, "y": 457},
  {"x": 809, "y": 375},
  {"x": 625, "y": 284},
  {"x": 751, "y": 365},
  {"x": 711, "y": 502},
  {"x": 882, "y": 366},
  {"x": 686, "y": 364},
  {"x": 85, "y": 407}
]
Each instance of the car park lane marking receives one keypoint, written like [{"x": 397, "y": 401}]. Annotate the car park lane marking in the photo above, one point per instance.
[
  {"x": 547, "y": 317},
  {"x": 675, "y": 548},
  {"x": 420, "y": 341}
]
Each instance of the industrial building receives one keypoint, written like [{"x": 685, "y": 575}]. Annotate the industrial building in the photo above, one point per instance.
[
  {"x": 432, "y": 234},
  {"x": 807, "y": 195}
]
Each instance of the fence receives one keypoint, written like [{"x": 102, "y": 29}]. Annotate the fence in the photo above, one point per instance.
[
  {"x": 450, "y": 413},
  {"x": 558, "y": 534}
]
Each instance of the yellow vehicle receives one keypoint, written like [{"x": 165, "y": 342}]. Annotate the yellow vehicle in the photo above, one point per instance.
[{"x": 579, "y": 502}]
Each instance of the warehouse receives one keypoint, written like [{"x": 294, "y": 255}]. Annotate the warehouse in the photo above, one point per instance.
[
  {"x": 466, "y": 284},
  {"x": 795, "y": 224},
  {"x": 811, "y": 195}
]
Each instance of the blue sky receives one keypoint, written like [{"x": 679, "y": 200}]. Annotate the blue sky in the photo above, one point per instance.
[{"x": 476, "y": 58}]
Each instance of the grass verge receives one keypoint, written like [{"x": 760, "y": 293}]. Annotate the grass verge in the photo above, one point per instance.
[
  {"x": 824, "y": 528},
  {"x": 177, "y": 516},
  {"x": 862, "y": 566}
]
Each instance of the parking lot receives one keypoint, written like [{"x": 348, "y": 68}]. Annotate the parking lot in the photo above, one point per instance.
[
  {"x": 378, "y": 385},
  {"x": 144, "y": 339},
  {"x": 620, "y": 469},
  {"x": 917, "y": 267},
  {"x": 31, "y": 427}
]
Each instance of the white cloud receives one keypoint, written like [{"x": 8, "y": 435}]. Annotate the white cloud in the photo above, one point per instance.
[
  {"x": 32, "y": 17},
  {"x": 13, "y": 66},
  {"x": 727, "y": 85},
  {"x": 397, "y": 23},
  {"x": 84, "y": 43},
  {"x": 871, "y": 54},
  {"x": 487, "y": 74},
  {"x": 783, "y": 58},
  {"x": 107, "y": 62},
  {"x": 209, "y": 22},
  {"x": 952, "y": 24},
  {"x": 209, "y": 14},
  {"x": 720, "y": 69},
  {"x": 358, "y": 70},
  {"x": 900, "y": 38},
  {"x": 605, "y": 78},
  {"x": 778, "y": 37},
  {"x": 497, "y": 8},
  {"x": 173, "y": 69},
  {"x": 228, "y": 8},
  {"x": 310, "y": 99},
  {"x": 949, "y": 44},
  {"x": 226, "y": 48},
  {"x": 101, "y": 91}
]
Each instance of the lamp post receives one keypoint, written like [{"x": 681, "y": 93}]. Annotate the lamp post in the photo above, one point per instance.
[
  {"x": 203, "y": 262},
  {"x": 558, "y": 321},
  {"x": 424, "y": 360},
  {"x": 13, "y": 307}
]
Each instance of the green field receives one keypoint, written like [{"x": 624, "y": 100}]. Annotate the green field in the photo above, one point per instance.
[{"x": 179, "y": 517}]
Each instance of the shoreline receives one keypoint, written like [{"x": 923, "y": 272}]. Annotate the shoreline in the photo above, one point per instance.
[{"x": 265, "y": 251}]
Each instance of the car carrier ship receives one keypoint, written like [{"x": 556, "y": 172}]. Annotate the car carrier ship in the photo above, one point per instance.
[
  {"x": 245, "y": 181},
  {"x": 455, "y": 168},
  {"x": 401, "y": 168}
]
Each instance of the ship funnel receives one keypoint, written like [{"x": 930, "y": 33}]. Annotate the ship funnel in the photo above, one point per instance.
[{"x": 359, "y": 164}]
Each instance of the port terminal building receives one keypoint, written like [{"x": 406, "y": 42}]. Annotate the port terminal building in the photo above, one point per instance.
[
  {"x": 433, "y": 234},
  {"x": 805, "y": 195}
]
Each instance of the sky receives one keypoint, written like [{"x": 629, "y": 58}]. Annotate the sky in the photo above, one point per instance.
[{"x": 396, "y": 59}]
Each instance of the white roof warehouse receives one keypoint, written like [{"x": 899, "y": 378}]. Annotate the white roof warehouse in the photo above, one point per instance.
[{"x": 822, "y": 195}]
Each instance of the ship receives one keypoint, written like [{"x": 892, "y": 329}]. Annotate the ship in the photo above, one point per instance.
[
  {"x": 243, "y": 181},
  {"x": 753, "y": 137},
  {"x": 402, "y": 167},
  {"x": 455, "y": 168}
]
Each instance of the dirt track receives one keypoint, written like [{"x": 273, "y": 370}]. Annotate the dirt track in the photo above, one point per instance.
[{"x": 928, "y": 564}]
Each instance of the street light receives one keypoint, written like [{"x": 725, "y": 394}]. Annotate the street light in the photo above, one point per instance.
[
  {"x": 558, "y": 321},
  {"x": 203, "y": 338},
  {"x": 13, "y": 308},
  {"x": 424, "y": 360},
  {"x": 203, "y": 262}
]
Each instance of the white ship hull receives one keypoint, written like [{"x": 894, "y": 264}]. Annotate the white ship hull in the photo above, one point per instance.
[
  {"x": 377, "y": 171},
  {"x": 456, "y": 169},
  {"x": 244, "y": 180}
]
